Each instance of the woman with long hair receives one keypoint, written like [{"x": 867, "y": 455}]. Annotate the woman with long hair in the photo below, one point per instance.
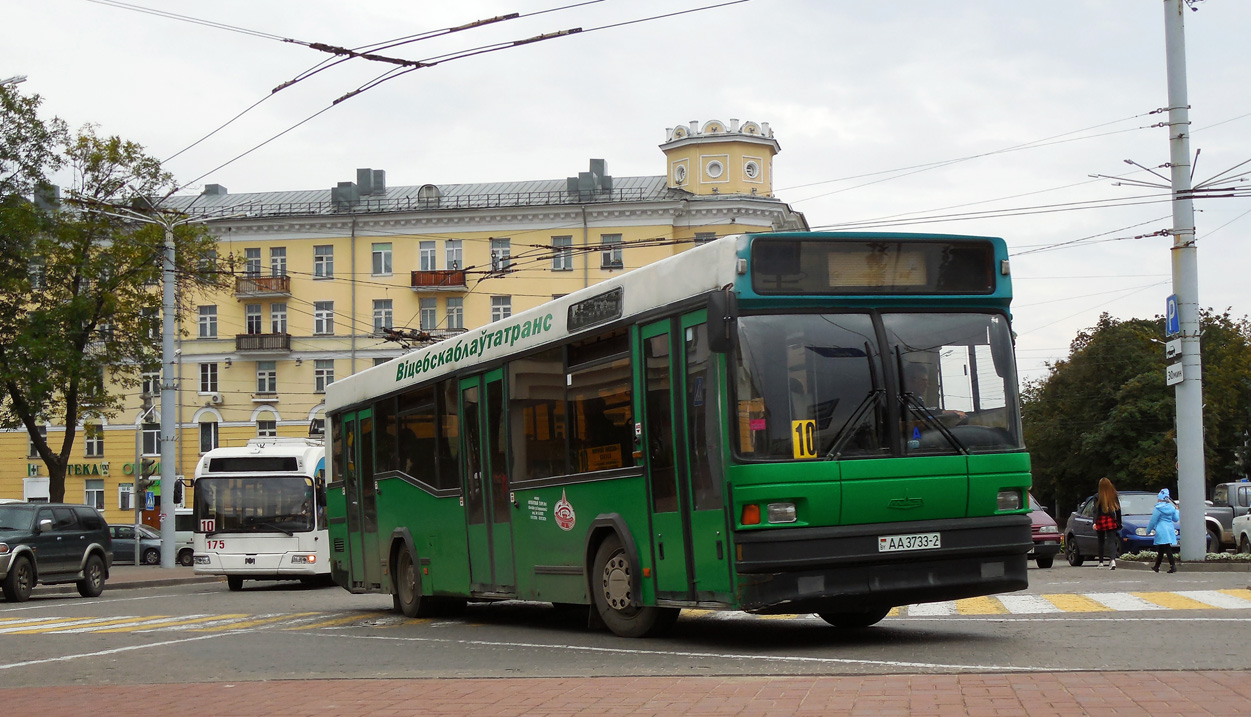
[{"x": 1108, "y": 518}]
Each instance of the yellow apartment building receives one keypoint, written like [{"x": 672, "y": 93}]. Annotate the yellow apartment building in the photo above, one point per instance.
[{"x": 332, "y": 281}]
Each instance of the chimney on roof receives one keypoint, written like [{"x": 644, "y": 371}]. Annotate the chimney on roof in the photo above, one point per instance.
[
  {"x": 372, "y": 182},
  {"x": 214, "y": 190}
]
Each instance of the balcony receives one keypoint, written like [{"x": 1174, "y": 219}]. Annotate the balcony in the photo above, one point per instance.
[
  {"x": 438, "y": 280},
  {"x": 263, "y": 343},
  {"x": 255, "y": 286}
]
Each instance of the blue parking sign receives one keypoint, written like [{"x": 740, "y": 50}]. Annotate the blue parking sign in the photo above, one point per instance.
[{"x": 1172, "y": 320}]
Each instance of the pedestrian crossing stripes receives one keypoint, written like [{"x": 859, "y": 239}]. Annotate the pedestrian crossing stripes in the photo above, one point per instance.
[{"x": 1048, "y": 603}]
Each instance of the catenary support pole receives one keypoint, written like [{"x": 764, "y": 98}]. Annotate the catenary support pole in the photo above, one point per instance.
[
  {"x": 169, "y": 401},
  {"x": 1191, "y": 484}
]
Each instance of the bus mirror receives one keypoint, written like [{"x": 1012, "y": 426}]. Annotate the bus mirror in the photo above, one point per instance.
[{"x": 722, "y": 311}]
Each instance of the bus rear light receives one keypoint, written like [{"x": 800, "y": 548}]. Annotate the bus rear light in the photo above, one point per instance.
[
  {"x": 304, "y": 559},
  {"x": 751, "y": 515},
  {"x": 782, "y": 513}
]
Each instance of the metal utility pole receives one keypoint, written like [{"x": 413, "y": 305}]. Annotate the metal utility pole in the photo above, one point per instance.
[
  {"x": 1191, "y": 485},
  {"x": 140, "y": 484}
]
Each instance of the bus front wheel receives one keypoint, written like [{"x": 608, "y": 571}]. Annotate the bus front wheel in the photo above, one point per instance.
[
  {"x": 408, "y": 598},
  {"x": 613, "y": 591},
  {"x": 234, "y": 582}
]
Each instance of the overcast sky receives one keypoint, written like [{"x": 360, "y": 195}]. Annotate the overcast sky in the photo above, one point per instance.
[{"x": 898, "y": 109}]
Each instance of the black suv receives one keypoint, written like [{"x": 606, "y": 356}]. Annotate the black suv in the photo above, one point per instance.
[{"x": 44, "y": 543}]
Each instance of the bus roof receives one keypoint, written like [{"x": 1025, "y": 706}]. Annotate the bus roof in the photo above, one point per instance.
[
  {"x": 309, "y": 454},
  {"x": 697, "y": 271}
]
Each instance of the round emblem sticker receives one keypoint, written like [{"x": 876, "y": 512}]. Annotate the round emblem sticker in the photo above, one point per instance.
[{"x": 563, "y": 512}]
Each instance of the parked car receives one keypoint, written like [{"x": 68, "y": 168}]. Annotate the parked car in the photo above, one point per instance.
[
  {"x": 1229, "y": 500},
  {"x": 124, "y": 544},
  {"x": 1081, "y": 541},
  {"x": 184, "y": 531},
  {"x": 1046, "y": 535},
  {"x": 1242, "y": 532},
  {"x": 46, "y": 543}
]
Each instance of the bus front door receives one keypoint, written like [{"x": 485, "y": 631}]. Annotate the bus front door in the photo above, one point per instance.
[
  {"x": 488, "y": 505},
  {"x": 682, "y": 437},
  {"x": 362, "y": 505}
]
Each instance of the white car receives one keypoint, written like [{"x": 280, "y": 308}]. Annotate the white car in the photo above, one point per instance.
[{"x": 1242, "y": 533}]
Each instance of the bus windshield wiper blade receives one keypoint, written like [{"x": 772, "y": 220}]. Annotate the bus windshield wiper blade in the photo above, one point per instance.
[
  {"x": 273, "y": 526},
  {"x": 844, "y": 433},
  {"x": 911, "y": 401}
]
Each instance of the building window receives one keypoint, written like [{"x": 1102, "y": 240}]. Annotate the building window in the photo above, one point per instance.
[
  {"x": 208, "y": 322},
  {"x": 278, "y": 261},
  {"x": 501, "y": 307},
  {"x": 428, "y": 311},
  {"x": 562, "y": 259},
  {"x": 38, "y": 268},
  {"x": 125, "y": 492},
  {"x": 382, "y": 259},
  {"x": 252, "y": 262},
  {"x": 93, "y": 435},
  {"x": 704, "y": 237},
  {"x": 30, "y": 442},
  {"x": 323, "y": 374},
  {"x": 501, "y": 250},
  {"x": 208, "y": 263},
  {"x": 252, "y": 318},
  {"x": 456, "y": 313},
  {"x": 151, "y": 382},
  {"x": 426, "y": 253},
  {"x": 453, "y": 251},
  {"x": 278, "y": 318},
  {"x": 208, "y": 378},
  {"x": 149, "y": 319},
  {"x": 208, "y": 436},
  {"x": 267, "y": 377},
  {"x": 323, "y": 262},
  {"x": 384, "y": 317},
  {"x": 610, "y": 252},
  {"x": 93, "y": 493},
  {"x": 267, "y": 429},
  {"x": 151, "y": 439},
  {"x": 323, "y": 317}
]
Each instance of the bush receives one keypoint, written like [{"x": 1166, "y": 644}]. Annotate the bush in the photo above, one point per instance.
[{"x": 1148, "y": 556}]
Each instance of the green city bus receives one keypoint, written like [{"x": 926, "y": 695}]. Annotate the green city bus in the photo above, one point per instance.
[{"x": 778, "y": 423}]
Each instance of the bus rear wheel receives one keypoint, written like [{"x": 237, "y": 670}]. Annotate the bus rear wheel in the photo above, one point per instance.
[
  {"x": 408, "y": 598},
  {"x": 613, "y": 591},
  {"x": 855, "y": 620}
]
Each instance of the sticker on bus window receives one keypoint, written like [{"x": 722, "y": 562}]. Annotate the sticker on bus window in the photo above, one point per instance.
[{"x": 804, "y": 438}]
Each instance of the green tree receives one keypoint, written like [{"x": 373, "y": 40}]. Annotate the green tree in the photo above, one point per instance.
[
  {"x": 1105, "y": 410},
  {"x": 79, "y": 283}
]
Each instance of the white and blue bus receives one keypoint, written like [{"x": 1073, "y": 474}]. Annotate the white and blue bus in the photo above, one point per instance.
[{"x": 260, "y": 512}]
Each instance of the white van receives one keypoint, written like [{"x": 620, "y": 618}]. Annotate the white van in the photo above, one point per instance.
[{"x": 184, "y": 532}]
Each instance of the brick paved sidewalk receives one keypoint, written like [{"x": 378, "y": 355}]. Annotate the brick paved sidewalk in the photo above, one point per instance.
[{"x": 1032, "y": 694}]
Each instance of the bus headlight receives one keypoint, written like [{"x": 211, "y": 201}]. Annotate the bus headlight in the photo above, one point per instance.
[
  {"x": 1009, "y": 499},
  {"x": 304, "y": 559},
  {"x": 202, "y": 560},
  {"x": 781, "y": 512}
]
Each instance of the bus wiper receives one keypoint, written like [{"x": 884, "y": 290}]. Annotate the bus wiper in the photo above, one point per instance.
[
  {"x": 273, "y": 526},
  {"x": 912, "y": 402},
  {"x": 844, "y": 433}
]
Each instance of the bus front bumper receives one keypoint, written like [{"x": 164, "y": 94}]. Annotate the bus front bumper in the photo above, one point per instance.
[
  {"x": 272, "y": 566},
  {"x": 842, "y": 569}
]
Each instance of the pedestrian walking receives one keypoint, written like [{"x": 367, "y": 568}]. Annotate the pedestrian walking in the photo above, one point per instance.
[
  {"x": 1108, "y": 520},
  {"x": 1164, "y": 522}
]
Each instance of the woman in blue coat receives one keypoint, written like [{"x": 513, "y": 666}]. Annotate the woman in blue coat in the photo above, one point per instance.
[{"x": 1164, "y": 522}]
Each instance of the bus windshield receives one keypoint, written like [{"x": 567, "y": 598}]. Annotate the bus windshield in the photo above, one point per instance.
[
  {"x": 952, "y": 385},
  {"x": 260, "y": 504}
]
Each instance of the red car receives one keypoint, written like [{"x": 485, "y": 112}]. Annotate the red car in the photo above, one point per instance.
[{"x": 1046, "y": 535}]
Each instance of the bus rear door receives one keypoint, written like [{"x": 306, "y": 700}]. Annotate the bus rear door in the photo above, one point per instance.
[{"x": 362, "y": 506}]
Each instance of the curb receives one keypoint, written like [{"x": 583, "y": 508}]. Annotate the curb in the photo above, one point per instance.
[
  {"x": 128, "y": 584},
  {"x": 1191, "y": 567}
]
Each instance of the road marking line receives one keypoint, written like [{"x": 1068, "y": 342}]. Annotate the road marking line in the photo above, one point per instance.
[
  {"x": 169, "y": 625},
  {"x": 1172, "y": 601},
  {"x": 339, "y": 621},
  {"x": 985, "y": 605},
  {"x": 1243, "y": 593},
  {"x": 92, "y": 627},
  {"x": 1221, "y": 598},
  {"x": 263, "y": 620},
  {"x": 701, "y": 655},
  {"x": 64, "y": 622},
  {"x": 115, "y": 651},
  {"x": 1069, "y": 602},
  {"x": 1028, "y": 604},
  {"x": 932, "y": 609},
  {"x": 27, "y": 619},
  {"x": 1123, "y": 602}
]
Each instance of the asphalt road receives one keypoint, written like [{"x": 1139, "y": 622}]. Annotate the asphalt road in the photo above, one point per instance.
[{"x": 1083, "y": 619}]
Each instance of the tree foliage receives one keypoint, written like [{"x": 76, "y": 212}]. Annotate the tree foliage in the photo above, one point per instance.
[
  {"x": 80, "y": 296},
  {"x": 1105, "y": 410}
]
